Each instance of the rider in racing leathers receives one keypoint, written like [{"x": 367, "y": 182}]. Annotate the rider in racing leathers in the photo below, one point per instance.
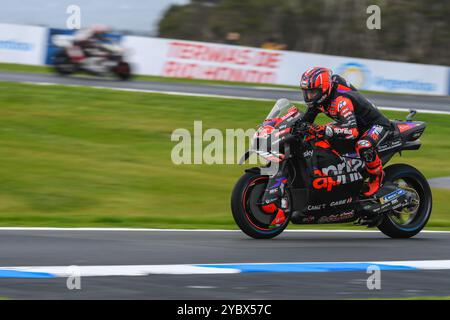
[
  {"x": 90, "y": 42},
  {"x": 356, "y": 119}
]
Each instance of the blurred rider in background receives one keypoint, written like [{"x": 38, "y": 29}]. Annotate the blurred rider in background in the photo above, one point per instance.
[{"x": 90, "y": 42}]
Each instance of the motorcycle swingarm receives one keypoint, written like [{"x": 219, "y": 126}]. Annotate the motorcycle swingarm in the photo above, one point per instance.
[{"x": 389, "y": 198}]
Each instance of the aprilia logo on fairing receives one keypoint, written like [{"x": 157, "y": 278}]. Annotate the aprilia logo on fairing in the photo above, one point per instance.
[
  {"x": 342, "y": 173},
  {"x": 325, "y": 182},
  {"x": 343, "y": 131},
  {"x": 346, "y": 166}
]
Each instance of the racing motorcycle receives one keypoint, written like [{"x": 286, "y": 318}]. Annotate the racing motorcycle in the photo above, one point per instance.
[
  {"x": 103, "y": 60},
  {"x": 307, "y": 180}
]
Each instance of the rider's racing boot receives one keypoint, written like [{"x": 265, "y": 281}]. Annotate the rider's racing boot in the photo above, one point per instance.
[{"x": 376, "y": 175}]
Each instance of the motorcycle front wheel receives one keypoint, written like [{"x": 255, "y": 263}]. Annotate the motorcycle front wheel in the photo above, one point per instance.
[
  {"x": 408, "y": 222},
  {"x": 247, "y": 213},
  {"x": 63, "y": 65}
]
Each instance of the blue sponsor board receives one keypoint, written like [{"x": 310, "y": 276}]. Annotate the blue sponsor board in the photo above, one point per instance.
[
  {"x": 360, "y": 76},
  {"x": 448, "y": 81},
  {"x": 52, "y": 49},
  {"x": 356, "y": 73},
  {"x": 11, "y": 44}
]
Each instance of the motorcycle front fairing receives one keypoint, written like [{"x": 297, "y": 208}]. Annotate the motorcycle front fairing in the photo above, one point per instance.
[
  {"x": 269, "y": 143},
  {"x": 273, "y": 132}
]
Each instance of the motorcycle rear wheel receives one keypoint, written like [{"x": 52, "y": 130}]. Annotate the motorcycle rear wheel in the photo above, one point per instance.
[
  {"x": 394, "y": 224},
  {"x": 123, "y": 71}
]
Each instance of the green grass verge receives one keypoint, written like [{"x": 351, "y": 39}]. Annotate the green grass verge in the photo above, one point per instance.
[
  {"x": 74, "y": 156},
  {"x": 13, "y": 67}
]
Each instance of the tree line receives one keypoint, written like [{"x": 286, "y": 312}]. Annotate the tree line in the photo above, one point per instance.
[{"x": 411, "y": 30}]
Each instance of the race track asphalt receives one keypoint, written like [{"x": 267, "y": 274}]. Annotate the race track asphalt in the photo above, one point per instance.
[
  {"x": 130, "y": 248},
  {"x": 157, "y": 247}
]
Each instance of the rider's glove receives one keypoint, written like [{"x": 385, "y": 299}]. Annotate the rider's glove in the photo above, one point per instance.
[
  {"x": 306, "y": 128},
  {"x": 316, "y": 129},
  {"x": 321, "y": 130},
  {"x": 301, "y": 128}
]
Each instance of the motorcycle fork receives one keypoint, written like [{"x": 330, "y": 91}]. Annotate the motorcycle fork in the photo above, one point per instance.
[{"x": 276, "y": 185}]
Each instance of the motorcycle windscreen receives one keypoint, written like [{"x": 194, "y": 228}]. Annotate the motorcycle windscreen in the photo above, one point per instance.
[{"x": 282, "y": 109}]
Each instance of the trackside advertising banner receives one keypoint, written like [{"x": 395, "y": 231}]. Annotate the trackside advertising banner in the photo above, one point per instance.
[
  {"x": 200, "y": 60},
  {"x": 22, "y": 44},
  {"x": 374, "y": 75}
]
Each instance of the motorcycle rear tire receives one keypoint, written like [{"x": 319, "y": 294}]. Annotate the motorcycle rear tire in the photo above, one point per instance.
[
  {"x": 420, "y": 184},
  {"x": 123, "y": 71}
]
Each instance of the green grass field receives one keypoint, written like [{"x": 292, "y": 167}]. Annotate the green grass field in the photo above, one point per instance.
[{"x": 74, "y": 156}]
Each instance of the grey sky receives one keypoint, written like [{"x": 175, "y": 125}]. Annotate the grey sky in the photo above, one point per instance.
[{"x": 135, "y": 15}]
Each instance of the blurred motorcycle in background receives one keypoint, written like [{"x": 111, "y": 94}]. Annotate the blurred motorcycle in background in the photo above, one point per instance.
[{"x": 101, "y": 59}]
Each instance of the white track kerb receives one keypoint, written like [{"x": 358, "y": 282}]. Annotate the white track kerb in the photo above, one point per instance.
[{"x": 208, "y": 269}]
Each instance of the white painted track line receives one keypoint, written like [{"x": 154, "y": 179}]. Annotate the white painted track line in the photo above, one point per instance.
[{"x": 222, "y": 268}]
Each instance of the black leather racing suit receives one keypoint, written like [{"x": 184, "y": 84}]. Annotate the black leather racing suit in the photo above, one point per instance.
[{"x": 356, "y": 120}]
